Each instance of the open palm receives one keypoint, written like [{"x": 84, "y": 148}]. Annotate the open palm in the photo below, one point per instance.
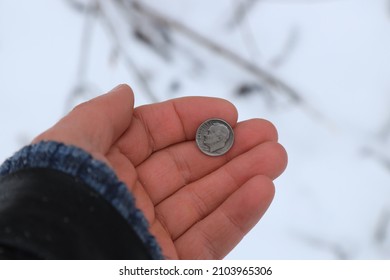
[{"x": 198, "y": 207}]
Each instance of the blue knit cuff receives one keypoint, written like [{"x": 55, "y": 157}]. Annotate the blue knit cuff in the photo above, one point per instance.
[{"x": 94, "y": 173}]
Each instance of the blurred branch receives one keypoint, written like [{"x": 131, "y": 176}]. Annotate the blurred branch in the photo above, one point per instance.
[
  {"x": 221, "y": 51},
  {"x": 121, "y": 50},
  {"x": 243, "y": 7},
  {"x": 82, "y": 86},
  {"x": 382, "y": 230},
  {"x": 248, "y": 38},
  {"x": 337, "y": 250},
  {"x": 154, "y": 34},
  {"x": 90, "y": 11},
  {"x": 146, "y": 30},
  {"x": 241, "y": 11},
  {"x": 287, "y": 48},
  {"x": 388, "y": 7},
  {"x": 81, "y": 7},
  {"x": 153, "y": 29},
  {"x": 230, "y": 56},
  {"x": 239, "y": 15},
  {"x": 384, "y": 133},
  {"x": 377, "y": 155}
]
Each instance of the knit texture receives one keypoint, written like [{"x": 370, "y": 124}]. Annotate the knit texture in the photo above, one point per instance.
[{"x": 94, "y": 173}]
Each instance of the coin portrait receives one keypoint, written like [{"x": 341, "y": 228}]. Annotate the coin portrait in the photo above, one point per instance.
[{"x": 214, "y": 137}]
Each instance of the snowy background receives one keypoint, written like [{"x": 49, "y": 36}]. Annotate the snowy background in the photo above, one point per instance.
[{"x": 320, "y": 73}]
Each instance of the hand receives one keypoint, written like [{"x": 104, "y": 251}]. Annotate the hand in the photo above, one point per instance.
[{"x": 198, "y": 207}]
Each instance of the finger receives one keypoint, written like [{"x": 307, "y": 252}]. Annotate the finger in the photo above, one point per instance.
[
  {"x": 169, "y": 169},
  {"x": 195, "y": 201},
  {"x": 96, "y": 124},
  {"x": 218, "y": 233},
  {"x": 163, "y": 124}
]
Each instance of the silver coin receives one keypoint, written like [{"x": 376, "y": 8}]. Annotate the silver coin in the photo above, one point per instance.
[{"x": 214, "y": 137}]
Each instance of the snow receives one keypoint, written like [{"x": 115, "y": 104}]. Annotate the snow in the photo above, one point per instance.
[{"x": 333, "y": 199}]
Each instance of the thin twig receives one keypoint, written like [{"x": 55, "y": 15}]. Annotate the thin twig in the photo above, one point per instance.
[
  {"x": 130, "y": 64},
  {"x": 235, "y": 59},
  {"x": 80, "y": 7},
  {"x": 221, "y": 51},
  {"x": 249, "y": 38},
  {"x": 128, "y": 12},
  {"x": 287, "y": 48},
  {"x": 241, "y": 11},
  {"x": 335, "y": 248},
  {"x": 382, "y": 229},
  {"x": 79, "y": 89}
]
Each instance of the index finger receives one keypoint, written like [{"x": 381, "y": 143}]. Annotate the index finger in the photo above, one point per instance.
[{"x": 160, "y": 125}]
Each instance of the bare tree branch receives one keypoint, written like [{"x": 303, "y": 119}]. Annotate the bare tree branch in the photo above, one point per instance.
[
  {"x": 81, "y": 7},
  {"x": 119, "y": 47},
  {"x": 249, "y": 39},
  {"x": 243, "y": 7},
  {"x": 388, "y": 7},
  {"x": 81, "y": 85},
  {"x": 336, "y": 249},
  {"x": 287, "y": 48},
  {"x": 153, "y": 34},
  {"x": 234, "y": 58},
  {"x": 160, "y": 22},
  {"x": 241, "y": 11},
  {"x": 382, "y": 230},
  {"x": 221, "y": 51}
]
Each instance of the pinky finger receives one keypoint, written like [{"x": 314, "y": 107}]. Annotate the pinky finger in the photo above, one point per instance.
[{"x": 218, "y": 233}]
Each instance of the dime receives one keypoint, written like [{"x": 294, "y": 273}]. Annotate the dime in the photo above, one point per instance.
[{"x": 214, "y": 137}]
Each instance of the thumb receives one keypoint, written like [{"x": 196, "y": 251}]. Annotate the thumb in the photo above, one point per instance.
[{"x": 96, "y": 124}]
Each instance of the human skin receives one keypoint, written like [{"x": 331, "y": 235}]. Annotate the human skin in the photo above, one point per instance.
[{"x": 197, "y": 206}]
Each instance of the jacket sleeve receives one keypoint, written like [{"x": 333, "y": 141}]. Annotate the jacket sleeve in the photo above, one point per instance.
[{"x": 57, "y": 202}]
